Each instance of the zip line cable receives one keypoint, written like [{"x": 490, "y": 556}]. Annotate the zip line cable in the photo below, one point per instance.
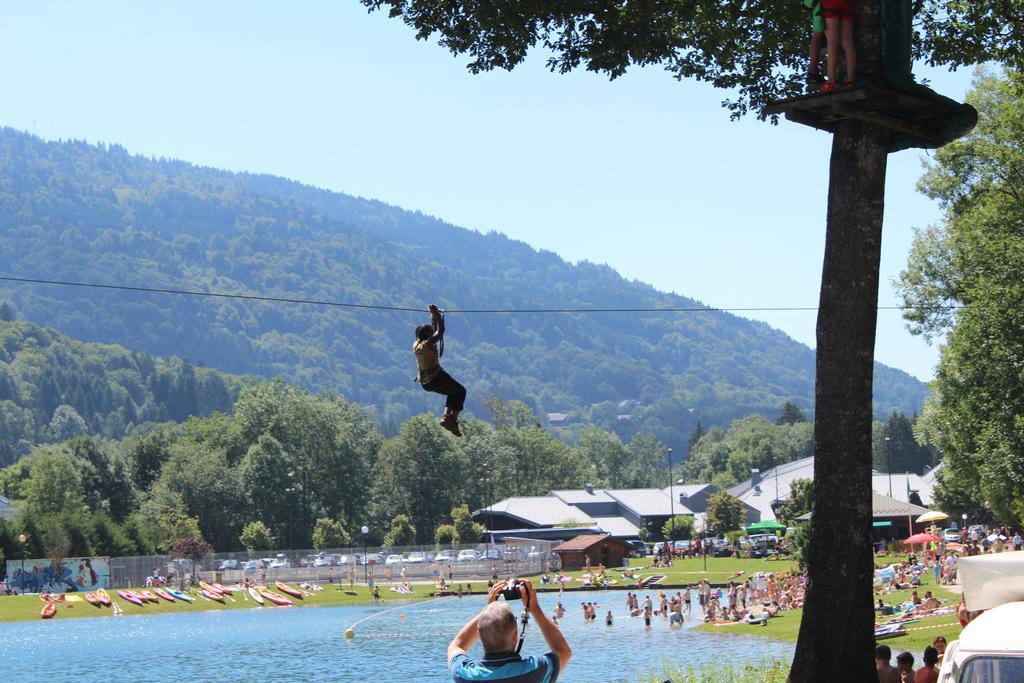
[{"x": 406, "y": 309}]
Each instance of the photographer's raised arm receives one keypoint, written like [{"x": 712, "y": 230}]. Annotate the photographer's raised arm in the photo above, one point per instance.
[{"x": 552, "y": 634}]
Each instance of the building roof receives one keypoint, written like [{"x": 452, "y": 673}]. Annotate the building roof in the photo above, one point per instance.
[
  {"x": 557, "y": 417},
  {"x": 577, "y": 496},
  {"x": 690, "y": 489},
  {"x": 785, "y": 473},
  {"x": 884, "y": 506},
  {"x": 924, "y": 484},
  {"x": 619, "y": 527},
  {"x": 537, "y": 510},
  {"x": 648, "y": 502},
  {"x": 7, "y": 509},
  {"x": 762, "y": 495},
  {"x": 584, "y": 541}
]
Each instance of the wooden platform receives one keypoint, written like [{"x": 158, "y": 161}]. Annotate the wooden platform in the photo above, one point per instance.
[{"x": 896, "y": 111}]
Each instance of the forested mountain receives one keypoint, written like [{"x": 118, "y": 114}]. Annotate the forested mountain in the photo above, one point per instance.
[
  {"x": 53, "y": 388},
  {"x": 75, "y": 211}
]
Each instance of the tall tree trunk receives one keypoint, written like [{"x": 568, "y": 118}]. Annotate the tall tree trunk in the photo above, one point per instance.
[{"x": 837, "y": 631}]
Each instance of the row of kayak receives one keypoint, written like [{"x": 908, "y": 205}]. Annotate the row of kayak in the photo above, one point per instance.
[
  {"x": 260, "y": 594},
  {"x": 215, "y": 592}
]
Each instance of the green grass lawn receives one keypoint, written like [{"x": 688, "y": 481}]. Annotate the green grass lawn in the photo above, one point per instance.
[
  {"x": 690, "y": 571},
  {"x": 26, "y": 607}
]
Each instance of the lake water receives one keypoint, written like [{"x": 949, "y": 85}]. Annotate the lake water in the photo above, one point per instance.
[{"x": 309, "y": 644}]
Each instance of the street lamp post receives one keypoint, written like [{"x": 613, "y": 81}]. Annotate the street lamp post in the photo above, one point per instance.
[
  {"x": 366, "y": 577},
  {"x": 485, "y": 482},
  {"x": 671, "y": 496},
  {"x": 290, "y": 489},
  {"x": 888, "y": 455},
  {"x": 22, "y": 538}
]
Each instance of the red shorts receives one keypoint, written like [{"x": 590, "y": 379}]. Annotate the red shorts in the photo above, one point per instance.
[{"x": 837, "y": 9}]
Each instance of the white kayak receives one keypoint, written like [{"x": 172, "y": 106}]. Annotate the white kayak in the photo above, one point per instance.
[{"x": 255, "y": 595}]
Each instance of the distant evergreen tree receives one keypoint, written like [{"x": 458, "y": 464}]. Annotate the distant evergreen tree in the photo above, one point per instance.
[
  {"x": 895, "y": 445},
  {"x": 6, "y": 312},
  {"x": 791, "y": 414},
  {"x": 695, "y": 436}
]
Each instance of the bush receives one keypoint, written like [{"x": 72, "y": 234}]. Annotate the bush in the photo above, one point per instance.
[{"x": 444, "y": 535}]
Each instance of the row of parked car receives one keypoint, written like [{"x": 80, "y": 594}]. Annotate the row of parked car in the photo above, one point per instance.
[
  {"x": 756, "y": 545},
  {"x": 324, "y": 559}
]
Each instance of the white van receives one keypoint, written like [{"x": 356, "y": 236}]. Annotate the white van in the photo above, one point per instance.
[{"x": 991, "y": 648}]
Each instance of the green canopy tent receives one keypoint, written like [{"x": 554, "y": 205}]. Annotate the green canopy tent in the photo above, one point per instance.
[{"x": 765, "y": 526}]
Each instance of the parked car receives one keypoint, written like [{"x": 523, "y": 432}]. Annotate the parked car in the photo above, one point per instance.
[
  {"x": 445, "y": 556},
  {"x": 639, "y": 548},
  {"x": 280, "y": 561},
  {"x": 468, "y": 556},
  {"x": 342, "y": 559},
  {"x": 416, "y": 558},
  {"x": 325, "y": 560},
  {"x": 227, "y": 564},
  {"x": 393, "y": 559},
  {"x": 492, "y": 554},
  {"x": 952, "y": 534}
]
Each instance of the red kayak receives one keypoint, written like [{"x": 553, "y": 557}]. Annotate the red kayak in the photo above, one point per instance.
[
  {"x": 104, "y": 598},
  {"x": 148, "y": 596},
  {"x": 93, "y": 600},
  {"x": 213, "y": 595},
  {"x": 49, "y": 609},
  {"x": 164, "y": 594},
  {"x": 285, "y": 588}
]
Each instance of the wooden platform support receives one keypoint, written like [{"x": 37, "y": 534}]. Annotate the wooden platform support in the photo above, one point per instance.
[{"x": 901, "y": 112}]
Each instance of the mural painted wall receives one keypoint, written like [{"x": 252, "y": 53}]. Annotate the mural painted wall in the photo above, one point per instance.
[{"x": 74, "y": 574}]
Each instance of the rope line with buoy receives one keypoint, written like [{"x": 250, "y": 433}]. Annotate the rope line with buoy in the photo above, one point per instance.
[{"x": 350, "y": 632}]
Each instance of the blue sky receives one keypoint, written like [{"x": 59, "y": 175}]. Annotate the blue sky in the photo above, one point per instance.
[{"x": 644, "y": 173}]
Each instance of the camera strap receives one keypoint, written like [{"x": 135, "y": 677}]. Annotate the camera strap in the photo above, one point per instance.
[{"x": 524, "y": 618}]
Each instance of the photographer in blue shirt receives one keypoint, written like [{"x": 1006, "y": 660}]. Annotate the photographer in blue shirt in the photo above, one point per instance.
[{"x": 496, "y": 628}]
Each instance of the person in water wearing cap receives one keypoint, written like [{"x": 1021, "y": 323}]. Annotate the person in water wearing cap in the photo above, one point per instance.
[{"x": 431, "y": 376}]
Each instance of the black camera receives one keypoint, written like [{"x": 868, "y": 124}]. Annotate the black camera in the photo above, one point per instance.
[{"x": 511, "y": 590}]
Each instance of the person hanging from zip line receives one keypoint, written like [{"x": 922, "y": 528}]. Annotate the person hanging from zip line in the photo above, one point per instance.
[{"x": 428, "y": 349}]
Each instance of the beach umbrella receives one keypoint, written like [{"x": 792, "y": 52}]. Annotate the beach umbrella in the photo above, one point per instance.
[
  {"x": 932, "y": 516},
  {"x": 765, "y": 526},
  {"x": 921, "y": 538},
  {"x": 993, "y": 537}
]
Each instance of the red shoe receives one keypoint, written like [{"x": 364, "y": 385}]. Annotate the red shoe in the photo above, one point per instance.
[
  {"x": 849, "y": 85},
  {"x": 828, "y": 87}
]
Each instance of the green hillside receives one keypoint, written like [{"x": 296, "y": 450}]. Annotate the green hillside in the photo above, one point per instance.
[
  {"x": 75, "y": 211},
  {"x": 53, "y": 388}
]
